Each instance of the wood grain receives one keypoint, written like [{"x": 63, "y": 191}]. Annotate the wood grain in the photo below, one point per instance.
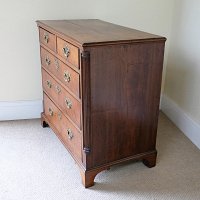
[
  {"x": 125, "y": 91},
  {"x": 59, "y": 69},
  {"x": 62, "y": 124},
  {"x": 92, "y": 32},
  {"x": 51, "y": 44},
  {"x": 73, "y": 57},
  {"x": 115, "y": 92},
  {"x": 60, "y": 98}
]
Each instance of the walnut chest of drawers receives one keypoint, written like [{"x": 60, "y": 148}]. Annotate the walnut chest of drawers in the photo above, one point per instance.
[{"x": 101, "y": 87}]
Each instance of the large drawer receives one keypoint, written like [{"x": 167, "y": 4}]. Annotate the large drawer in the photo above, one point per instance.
[
  {"x": 67, "y": 133},
  {"x": 48, "y": 39},
  {"x": 68, "y": 52},
  {"x": 62, "y": 98},
  {"x": 65, "y": 74}
]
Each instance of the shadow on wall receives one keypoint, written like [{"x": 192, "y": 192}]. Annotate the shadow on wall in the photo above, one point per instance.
[{"x": 182, "y": 81}]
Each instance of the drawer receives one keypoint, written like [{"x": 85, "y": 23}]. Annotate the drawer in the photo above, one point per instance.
[
  {"x": 62, "y": 98},
  {"x": 48, "y": 39},
  {"x": 65, "y": 74},
  {"x": 69, "y": 135},
  {"x": 68, "y": 51}
]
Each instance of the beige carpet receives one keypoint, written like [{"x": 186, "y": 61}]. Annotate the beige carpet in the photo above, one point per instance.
[{"x": 34, "y": 165}]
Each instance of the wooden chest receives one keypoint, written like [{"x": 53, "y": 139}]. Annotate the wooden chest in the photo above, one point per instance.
[{"x": 101, "y": 86}]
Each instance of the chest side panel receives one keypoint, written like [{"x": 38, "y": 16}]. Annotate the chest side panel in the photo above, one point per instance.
[{"x": 125, "y": 83}]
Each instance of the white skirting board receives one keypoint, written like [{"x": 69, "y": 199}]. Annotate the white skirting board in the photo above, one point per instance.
[
  {"x": 20, "y": 110},
  {"x": 184, "y": 122},
  {"x": 32, "y": 109}
]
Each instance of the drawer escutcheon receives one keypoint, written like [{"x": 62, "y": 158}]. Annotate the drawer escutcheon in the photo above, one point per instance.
[
  {"x": 50, "y": 112},
  {"x": 46, "y": 37},
  {"x": 68, "y": 103},
  {"x": 67, "y": 76},
  {"x": 49, "y": 84},
  {"x": 66, "y": 51},
  {"x": 59, "y": 115},
  {"x": 47, "y": 60},
  {"x": 57, "y": 64},
  {"x": 58, "y": 90},
  {"x": 69, "y": 133}
]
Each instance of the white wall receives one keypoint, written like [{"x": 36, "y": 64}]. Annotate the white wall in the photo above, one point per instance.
[
  {"x": 182, "y": 86},
  {"x": 20, "y": 78},
  {"x": 153, "y": 16},
  {"x": 183, "y": 70}
]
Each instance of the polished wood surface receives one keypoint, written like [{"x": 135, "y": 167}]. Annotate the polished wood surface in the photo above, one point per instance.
[
  {"x": 94, "y": 31},
  {"x": 67, "y": 132},
  {"x": 57, "y": 68},
  {"x": 73, "y": 56},
  {"x": 124, "y": 100},
  {"x": 47, "y": 39},
  {"x": 115, "y": 92},
  {"x": 62, "y": 126},
  {"x": 89, "y": 176},
  {"x": 61, "y": 97},
  {"x": 51, "y": 111}
]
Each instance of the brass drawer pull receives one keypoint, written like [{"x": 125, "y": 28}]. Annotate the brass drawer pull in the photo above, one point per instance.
[
  {"x": 59, "y": 115},
  {"x": 67, "y": 76},
  {"x": 58, "y": 90},
  {"x": 50, "y": 112},
  {"x": 46, "y": 37},
  {"x": 57, "y": 64},
  {"x": 69, "y": 134},
  {"x": 49, "y": 85},
  {"x": 47, "y": 60},
  {"x": 66, "y": 51},
  {"x": 68, "y": 103}
]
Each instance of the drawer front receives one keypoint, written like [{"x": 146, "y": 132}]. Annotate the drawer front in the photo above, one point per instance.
[
  {"x": 65, "y": 74},
  {"x": 68, "y": 51},
  {"x": 48, "y": 39},
  {"x": 60, "y": 96},
  {"x": 70, "y": 136}
]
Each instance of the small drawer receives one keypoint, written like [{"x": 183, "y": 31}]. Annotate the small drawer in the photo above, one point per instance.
[
  {"x": 65, "y": 74},
  {"x": 68, "y": 52},
  {"x": 48, "y": 39},
  {"x": 61, "y": 97},
  {"x": 67, "y": 133}
]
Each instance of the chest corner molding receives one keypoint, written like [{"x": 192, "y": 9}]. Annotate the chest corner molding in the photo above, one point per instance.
[{"x": 16, "y": 110}]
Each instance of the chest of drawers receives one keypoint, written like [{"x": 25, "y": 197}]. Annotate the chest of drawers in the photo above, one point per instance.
[{"x": 101, "y": 86}]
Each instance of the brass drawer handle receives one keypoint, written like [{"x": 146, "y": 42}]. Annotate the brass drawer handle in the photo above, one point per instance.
[
  {"x": 59, "y": 115},
  {"x": 69, "y": 134},
  {"x": 47, "y": 60},
  {"x": 67, "y": 76},
  {"x": 49, "y": 84},
  {"x": 46, "y": 37},
  {"x": 68, "y": 103},
  {"x": 66, "y": 51},
  {"x": 58, "y": 90},
  {"x": 50, "y": 112},
  {"x": 57, "y": 64}
]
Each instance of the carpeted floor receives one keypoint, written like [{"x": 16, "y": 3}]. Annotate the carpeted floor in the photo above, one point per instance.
[{"x": 35, "y": 166}]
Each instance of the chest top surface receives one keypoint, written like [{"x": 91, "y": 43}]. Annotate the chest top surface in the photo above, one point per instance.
[{"x": 94, "y": 31}]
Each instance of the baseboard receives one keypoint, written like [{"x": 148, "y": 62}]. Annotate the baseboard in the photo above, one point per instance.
[
  {"x": 32, "y": 109},
  {"x": 20, "y": 110},
  {"x": 184, "y": 122}
]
